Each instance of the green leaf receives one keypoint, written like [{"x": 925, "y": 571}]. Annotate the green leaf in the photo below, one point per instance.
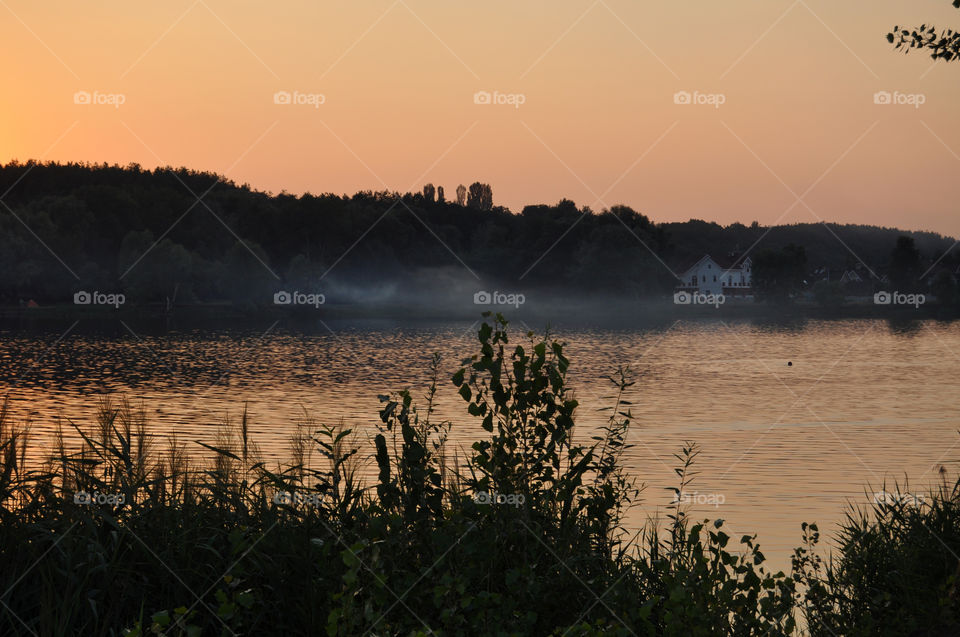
[{"x": 488, "y": 422}]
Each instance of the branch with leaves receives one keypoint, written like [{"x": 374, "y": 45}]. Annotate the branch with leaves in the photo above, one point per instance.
[{"x": 944, "y": 45}]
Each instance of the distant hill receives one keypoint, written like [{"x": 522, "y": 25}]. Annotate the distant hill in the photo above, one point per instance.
[
  {"x": 68, "y": 227},
  {"x": 836, "y": 246}
]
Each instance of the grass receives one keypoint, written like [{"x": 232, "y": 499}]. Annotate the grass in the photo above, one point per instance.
[{"x": 523, "y": 537}]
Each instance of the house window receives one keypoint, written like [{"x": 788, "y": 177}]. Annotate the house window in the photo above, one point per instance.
[{"x": 714, "y": 278}]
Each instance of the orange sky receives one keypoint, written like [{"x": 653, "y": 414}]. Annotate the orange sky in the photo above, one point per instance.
[{"x": 598, "y": 123}]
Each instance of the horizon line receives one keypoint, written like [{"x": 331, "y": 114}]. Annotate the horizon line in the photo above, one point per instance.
[{"x": 246, "y": 185}]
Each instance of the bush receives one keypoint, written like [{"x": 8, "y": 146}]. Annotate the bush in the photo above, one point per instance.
[{"x": 896, "y": 572}]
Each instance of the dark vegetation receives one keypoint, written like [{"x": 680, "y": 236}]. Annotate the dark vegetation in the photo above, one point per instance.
[
  {"x": 144, "y": 233},
  {"x": 942, "y": 45},
  {"x": 206, "y": 546}
]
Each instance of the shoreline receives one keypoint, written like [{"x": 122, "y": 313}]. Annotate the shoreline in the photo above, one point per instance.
[{"x": 601, "y": 312}]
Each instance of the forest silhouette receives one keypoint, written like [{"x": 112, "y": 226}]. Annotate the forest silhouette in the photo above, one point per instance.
[{"x": 192, "y": 236}]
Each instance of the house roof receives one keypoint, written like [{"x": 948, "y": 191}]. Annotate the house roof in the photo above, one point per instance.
[{"x": 731, "y": 262}]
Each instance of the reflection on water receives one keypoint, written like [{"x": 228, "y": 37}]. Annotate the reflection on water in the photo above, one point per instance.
[{"x": 863, "y": 402}]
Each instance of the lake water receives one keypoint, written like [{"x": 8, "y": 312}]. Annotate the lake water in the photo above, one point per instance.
[{"x": 865, "y": 401}]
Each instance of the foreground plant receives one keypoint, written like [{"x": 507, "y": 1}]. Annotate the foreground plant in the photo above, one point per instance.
[
  {"x": 897, "y": 571},
  {"x": 526, "y": 537}
]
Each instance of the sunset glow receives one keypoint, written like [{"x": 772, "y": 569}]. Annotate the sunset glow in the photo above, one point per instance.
[{"x": 798, "y": 136}]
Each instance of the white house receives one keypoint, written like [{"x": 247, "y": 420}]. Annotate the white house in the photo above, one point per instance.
[{"x": 710, "y": 276}]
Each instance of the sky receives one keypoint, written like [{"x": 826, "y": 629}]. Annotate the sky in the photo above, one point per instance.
[{"x": 745, "y": 110}]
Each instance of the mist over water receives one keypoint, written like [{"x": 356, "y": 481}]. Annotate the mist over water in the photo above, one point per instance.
[{"x": 864, "y": 403}]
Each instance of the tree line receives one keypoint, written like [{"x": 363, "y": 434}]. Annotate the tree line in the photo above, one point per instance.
[{"x": 189, "y": 236}]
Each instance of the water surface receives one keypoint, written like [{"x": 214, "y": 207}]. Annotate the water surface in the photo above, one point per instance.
[{"x": 865, "y": 402}]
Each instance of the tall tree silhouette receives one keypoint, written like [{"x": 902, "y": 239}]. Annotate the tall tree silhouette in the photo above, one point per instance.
[
  {"x": 905, "y": 263},
  {"x": 778, "y": 274},
  {"x": 480, "y": 196}
]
